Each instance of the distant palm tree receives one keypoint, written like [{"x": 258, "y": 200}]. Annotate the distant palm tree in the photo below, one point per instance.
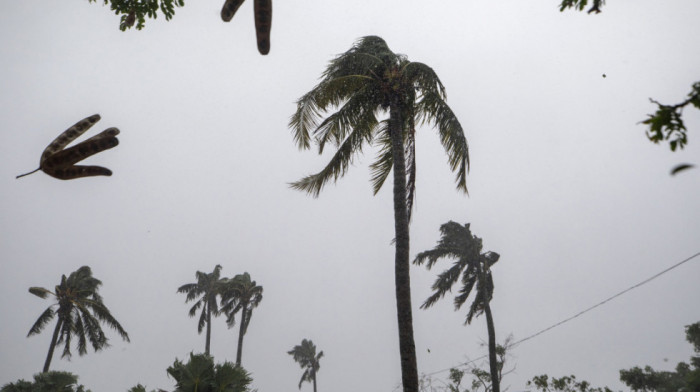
[
  {"x": 361, "y": 83},
  {"x": 240, "y": 294},
  {"x": 207, "y": 288},
  {"x": 458, "y": 243},
  {"x": 80, "y": 311},
  {"x": 305, "y": 355}
]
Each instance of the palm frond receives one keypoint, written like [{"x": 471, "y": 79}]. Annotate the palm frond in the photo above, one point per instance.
[
  {"x": 432, "y": 109},
  {"x": 338, "y": 165},
  {"x": 41, "y": 322},
  {"x": 40, "y": 292},
  {"x": 381, "y": 167}
]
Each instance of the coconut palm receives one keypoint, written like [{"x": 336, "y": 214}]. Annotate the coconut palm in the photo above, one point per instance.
[
  {"x": 78, "y": 311},
  {"x": 240, "y": 294},
  {"x": 359, "y": 84},
  {"x": 474, "y": 267},
  {"x": 205, "y": 292},
  {"x": 305, "y": 355}
]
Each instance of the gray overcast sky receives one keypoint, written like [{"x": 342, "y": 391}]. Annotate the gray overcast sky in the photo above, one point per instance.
[{"x": 564, "y": 185}]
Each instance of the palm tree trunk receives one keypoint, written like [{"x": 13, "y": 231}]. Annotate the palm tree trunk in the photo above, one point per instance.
[
  {"x": 54, "y": 339},
  {"x": 493, "y": 361},
  {"x": 407, "y": 347},
  {"x": 314, "y": 381},
  {"x": 241, "y": 332},
  {"x": 206, "y": 347}
]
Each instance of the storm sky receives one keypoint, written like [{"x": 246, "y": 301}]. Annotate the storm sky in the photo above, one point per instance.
[{"x": 564, "y": 185}]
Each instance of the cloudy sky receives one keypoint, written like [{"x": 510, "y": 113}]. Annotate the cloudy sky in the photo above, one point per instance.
[{"x": 563, "y": 184}]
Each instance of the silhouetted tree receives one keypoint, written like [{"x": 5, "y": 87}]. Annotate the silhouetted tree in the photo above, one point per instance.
[
  {"x": 474, "y": 268},
  {"x": 78, "y": 310},
  {"x": 240, "y": 294},
  {"x": 305, "y": 355},
  {"x": 205, "y": 292},
  {"x": 359, "y": 84}
]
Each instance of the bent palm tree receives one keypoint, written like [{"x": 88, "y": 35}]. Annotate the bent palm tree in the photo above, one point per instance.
[
  {"x": 305, "y": 355},
  {"x": 457, "y": 242},
  {"x": 208, "y": 287},
  {"x": 360, "y": 83},
  {"x": 79, "y": 312},
  {"x": 240, "y": 294}
]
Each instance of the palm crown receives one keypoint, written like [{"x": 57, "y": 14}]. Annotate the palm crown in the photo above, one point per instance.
[{"x": 361, "y": 83}]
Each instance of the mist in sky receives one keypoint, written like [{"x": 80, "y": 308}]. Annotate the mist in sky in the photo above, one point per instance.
[{"x": 564, "y": 185}]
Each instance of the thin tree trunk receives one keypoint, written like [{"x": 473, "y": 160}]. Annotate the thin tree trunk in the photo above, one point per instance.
[
  {"x": 314, "y": 381},
  {"x": 241, "y": 332},
  {"x": 407, "y": 347},
  {"x": 493, "y": 360},
  {"x": 54, "y": 339},
  {"x": 206, "y": 347}
]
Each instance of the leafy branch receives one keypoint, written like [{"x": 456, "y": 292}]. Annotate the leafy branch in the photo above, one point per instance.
[
  {"x": 667, "y": 122},
  {"x": 135, "y": 11},
  {"x": 579, "y": 5}
]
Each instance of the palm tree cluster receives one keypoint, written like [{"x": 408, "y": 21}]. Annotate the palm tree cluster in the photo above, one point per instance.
[
  {"x": 375, "y": 97},
  {"x": 214, "y": 295}
]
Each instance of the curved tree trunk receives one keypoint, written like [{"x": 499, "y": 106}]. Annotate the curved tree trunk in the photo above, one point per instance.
[
  {"x": 407, "y": 347},
  {"x": 241, "y": 332},
  {"x": 54, "y": 339},
  {"x": 206, "y": 347}
]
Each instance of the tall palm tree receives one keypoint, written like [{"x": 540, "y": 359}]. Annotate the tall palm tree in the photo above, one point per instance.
[
  {"x": 78, "y": 311},
  {"x": 240, "y": 294},
  {"x": 305, "y": 355},
  {"x": 360, "y": 84},
  {"x": 458, "y": 243},
  {"x": 205, "y": 292}
]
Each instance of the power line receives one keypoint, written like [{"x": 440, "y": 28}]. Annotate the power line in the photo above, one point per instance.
[{"x": 579, "y": 313}]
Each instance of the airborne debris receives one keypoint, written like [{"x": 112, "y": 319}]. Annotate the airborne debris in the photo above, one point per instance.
[{"x": 60, "y": 163}]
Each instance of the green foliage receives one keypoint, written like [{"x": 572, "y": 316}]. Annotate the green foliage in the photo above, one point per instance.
[
  {"x": 581, "y": 4},
  {"x": 200, "y": 374},
  {"x": 667, "y": 122},
  {"x": 564, "y": 384},
  {"x": 686, "y": 377},
  {"x": 136, "y": 11},
  {"x": 47, "y": 382}
]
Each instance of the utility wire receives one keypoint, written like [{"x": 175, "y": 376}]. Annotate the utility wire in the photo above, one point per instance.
[{"x": 579, "y": 313}]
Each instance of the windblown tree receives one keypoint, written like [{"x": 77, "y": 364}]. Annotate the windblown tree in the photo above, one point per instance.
[
  {"x": 205, "y": 293},
  {"x": 78, "y": 311},
  {"x": 474, "y": 267},
  {"x": 240, "y": 294},
  {"x": 367, "y": 80},
  {"x": 305, "y": 355}
]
